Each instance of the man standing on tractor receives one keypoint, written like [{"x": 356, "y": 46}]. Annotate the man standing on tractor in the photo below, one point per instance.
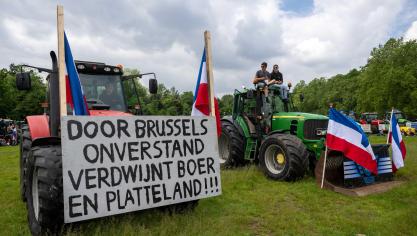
[
  {"x": 261, "y": 79},
  {"x": 276, "y": 76}
]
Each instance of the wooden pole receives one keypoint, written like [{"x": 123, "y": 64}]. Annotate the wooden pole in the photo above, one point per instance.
[
  {"x": 61, "y": 61},
  {"x": 209, "y": 68},
  {"x": 324, "y": 168},
  {"x": 389, "y": 127}
]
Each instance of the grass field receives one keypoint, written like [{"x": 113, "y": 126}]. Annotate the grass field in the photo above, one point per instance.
[{"x": 250, "y": 205}]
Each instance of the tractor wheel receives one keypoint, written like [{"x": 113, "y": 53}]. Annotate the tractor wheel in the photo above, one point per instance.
[
  {"x": 283, "y": 157},
  {"x": 44, "y": 194},
  {"x": 25, "y": 145},
  {"x": 231, "y": 146}
]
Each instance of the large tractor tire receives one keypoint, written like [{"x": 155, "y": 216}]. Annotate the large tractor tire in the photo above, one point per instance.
[
  {"x": 231, "y": 146},
  {"x": 44, "y": 194},
  {"x": 283, "y": 157},
  {"x": 25, "y": 146}
]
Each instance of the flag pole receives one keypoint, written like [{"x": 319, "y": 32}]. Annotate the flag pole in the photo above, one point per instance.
[
  {"x": 61, "y": 61},
  {"x": 209, "y": 68},
  {"x": 389, "y": 127},
  {"x": 324, "y": 168},
  {"x": 325, "y": 158}
]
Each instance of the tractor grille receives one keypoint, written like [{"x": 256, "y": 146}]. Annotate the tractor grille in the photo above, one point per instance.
[{"x": 313, "y": 129}]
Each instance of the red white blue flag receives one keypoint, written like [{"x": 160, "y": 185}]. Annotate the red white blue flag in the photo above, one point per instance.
[
  {"x": 75, "y": 94},
  {"x": 346, "y": 136},
  {"x": 397, "y": 144},
  {"x": 201, "y": 105}
]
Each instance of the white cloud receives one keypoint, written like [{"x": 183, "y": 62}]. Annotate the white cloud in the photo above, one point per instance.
[{"x": 166, "y": 37}]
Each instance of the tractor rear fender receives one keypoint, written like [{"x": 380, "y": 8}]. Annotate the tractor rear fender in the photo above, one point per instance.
[
  {"x": 46, "y": 141},
  {"x": 38, "y": 126},
  {"x": 230, "y": 120},
  {"x": 279, "y": 131}
]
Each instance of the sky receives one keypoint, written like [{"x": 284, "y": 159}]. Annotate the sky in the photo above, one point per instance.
[{"x": 306, "y": 38}]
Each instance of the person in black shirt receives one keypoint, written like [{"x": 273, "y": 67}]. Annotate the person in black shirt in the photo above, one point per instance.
[{"x": 276, "y": 76}]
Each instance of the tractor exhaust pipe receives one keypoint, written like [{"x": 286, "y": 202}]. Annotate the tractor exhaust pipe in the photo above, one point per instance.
[{"x": 54, "y": 118}]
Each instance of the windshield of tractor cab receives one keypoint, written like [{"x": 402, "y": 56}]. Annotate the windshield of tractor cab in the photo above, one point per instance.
[
  {"x": 104, "y": 89},
  {"x": 280, "y": 99},
  {"x": 281, "y": 105}
]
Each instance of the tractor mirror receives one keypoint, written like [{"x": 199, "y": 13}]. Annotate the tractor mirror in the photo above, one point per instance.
[
  {"x": 153, "y": 86},
  {"x": 301, "y": 97},
  {"x": 23, "y": 81}
]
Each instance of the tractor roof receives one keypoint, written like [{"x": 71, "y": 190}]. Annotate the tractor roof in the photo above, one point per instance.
[{"x": 89, "y": 67}]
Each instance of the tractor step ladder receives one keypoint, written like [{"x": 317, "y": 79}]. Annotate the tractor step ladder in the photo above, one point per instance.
[{"x": 251, "y": 153}]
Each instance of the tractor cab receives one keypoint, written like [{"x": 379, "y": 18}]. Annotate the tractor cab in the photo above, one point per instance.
[
  {"x": 255, "y": 109},
  {"x": 104, "y": 85},
  {"x": 280, "y": 99},
  {"x": 401, "y": 118},
  {"x": 369, "y": 118}
]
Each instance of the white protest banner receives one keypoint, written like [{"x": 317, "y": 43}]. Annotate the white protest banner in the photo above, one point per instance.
[{"x": 113, "y": 165}]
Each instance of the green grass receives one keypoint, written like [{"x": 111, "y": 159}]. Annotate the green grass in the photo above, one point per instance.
[{"x": 250, "y": 205}]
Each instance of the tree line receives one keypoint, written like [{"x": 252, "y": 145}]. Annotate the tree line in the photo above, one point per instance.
[{"x": 389, "y": 79}]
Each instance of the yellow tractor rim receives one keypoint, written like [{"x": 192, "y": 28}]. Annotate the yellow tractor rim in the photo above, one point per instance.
[{"x": 280, "y": 158}]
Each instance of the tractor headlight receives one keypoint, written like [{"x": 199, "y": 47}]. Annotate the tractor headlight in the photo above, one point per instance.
[{"x": 80, "y": 66}]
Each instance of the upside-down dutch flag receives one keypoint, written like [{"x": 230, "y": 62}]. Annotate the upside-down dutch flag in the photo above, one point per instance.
[
  {"x": 346, "y": 136},
  {"x": 201, "y": 104},
  {"x": 75, "y": 94},
  {"x": 397, "y": 144}
]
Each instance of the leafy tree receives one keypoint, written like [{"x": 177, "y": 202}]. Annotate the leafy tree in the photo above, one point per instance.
[
  {"x": 389, "y": 79},
  {"x": 226, "y": 105},
  {"x": 17, "y": 104}
]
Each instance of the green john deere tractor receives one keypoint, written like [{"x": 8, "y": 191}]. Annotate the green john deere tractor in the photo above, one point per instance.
[
  {"x": 401, "y": 118},
  {"x": 268, "y": 129}
]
